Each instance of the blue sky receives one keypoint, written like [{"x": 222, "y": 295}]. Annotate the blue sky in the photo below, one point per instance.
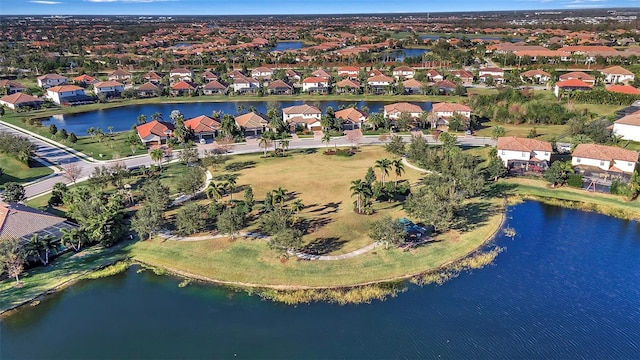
[{"x": 235, "y": 7}]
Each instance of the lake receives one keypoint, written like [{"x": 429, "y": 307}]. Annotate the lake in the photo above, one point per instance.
[
  {"x": 122, "y": 118},
  {"x": 288, "y": 45},
  {"x": 400, "y": 55},
  {"x": 567, "y": 286}
]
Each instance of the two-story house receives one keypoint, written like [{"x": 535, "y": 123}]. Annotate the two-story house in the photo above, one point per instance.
[
  {"x": 121, "y": 76},
  {"x": 51, "y": 80},
  {"x": 403, "y": 72},
  {"x": 68, "y": 95},
  {"x": 108, "y": 88},
  {"x": 262, "y": 73},
  {"x": 245, "y": 85},
  {"x": 315, "y": 84},
  {"x": 617, "y": 74},
  {"x": 444, "y": 111},
  {"x": 305, "y": 116},
  {"x": 393, "y": 111},
  {"x": 11, "y": 87},
  {"x": 609, "y": 160},
  {"x": 181, "y": 74},
  {"x": 628, "y": 127},
  {"x": 522, "y": 154},
  {"x": 380, "y": 84}
]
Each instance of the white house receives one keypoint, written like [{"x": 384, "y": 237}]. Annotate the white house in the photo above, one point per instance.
[
  {"x": 303, "y": 115},
  {"x": 380, "y": 83},
  {"x": 536, "y": 76},
  {"x": 349, "y": 71},
  {"x": 571, "y": 85},
  {"x": 51, "y": 80},
  {"x": 65, "y": 94},
  {"x": 109, "y": 88},
  {"x": 155, "y": 132},
  {"x": 393, "y": 111},
  {"x": 403, "y": 72},
  {"x": 19, "y": 100},
  {"x": 496, "y": 73},
  {"x": 617, "y": 74},
  {"x": 243, "y": 84},
  {"x": 610, "y": 159},
  {"x": 262, "y": 72},
  {"x": 628, "y": 127},
  {"x": 444, "y": 111},
  {"x": 524, "y": 154},
  {"x": 315, "y": 84},
  {"x": 352, "y": 118},
  {"x": 434, "y": 75},
  {"x": 181, "y": 74}
]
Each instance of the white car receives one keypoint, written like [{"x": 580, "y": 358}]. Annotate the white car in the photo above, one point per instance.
[{"x": 203, "y": 141}]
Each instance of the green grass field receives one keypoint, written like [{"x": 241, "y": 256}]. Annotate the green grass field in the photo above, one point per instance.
[{"x": 15, "y": 171}]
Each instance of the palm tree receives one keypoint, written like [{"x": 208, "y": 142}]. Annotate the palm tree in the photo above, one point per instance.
[
  {"x": 73, "y": 237},
  {"x": 156, "y": 116},
  {"x": 326, "y": 138},
  {"x": 384, "y": 165},
  {"x": 231, "y": 185},
  {"x": 264, "y": 142},
  {"x": 296, "y": 207},
  {"x": 157, "y": 155},
  {"x": 362, "y": 190},
  {"x": 280, "y": 195},
  {"x": 35, "y": 247},
  {"x": 398, "y": 166},
  {"x": 142, "y": 119},
  {"x": 91, "y": 131},
  {"x": 110, "y": 128},
  {"x": 284, "y": 144},
  {"x": 214, "y": 191}
]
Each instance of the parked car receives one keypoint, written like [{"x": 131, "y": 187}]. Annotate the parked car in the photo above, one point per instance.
[{"x": 203, "y": 141}]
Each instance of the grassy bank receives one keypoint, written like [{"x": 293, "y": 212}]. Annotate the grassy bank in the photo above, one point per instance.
[
  {"x": 612, "y": 205},
  {"x": 15, "y": 171}
]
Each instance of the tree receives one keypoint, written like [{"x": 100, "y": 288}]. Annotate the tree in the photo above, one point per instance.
[
  {"x": 398, "y": 167},
  {"x": 147, "y": 221},
  {"x": 362, "y": 190},
  {"x": 384, "y": 165},
  {"x": 64, "y": 135},
  {"x": 296, "y": 206},
  {"x": 287, "y": 241},
  {"x": 230, "y": 185},
  {"x": 74, "y": 238},
  {"x": 264, "y": 142},
  {"x": 73, "y": 138},
  {"x": 370, "y": 177},
  {"x": 1, "y": 111},
  {"x": 388, "y": 231},
  {"x": 57, "y": 194},
  {"x": 558, "y": 172},
  {"x": 275, "y": 221},
  {"x": 280, "y": 196},
  {"x": 13, "y": 192},
  {"x": 496, "y": 168},
  {"x": 191, "y": 219},
  {"x": 326, "y": 139},
  {"x": 189, "y": 155},
  {"x": 214, "y": 191},
  {"x": 436, "y": 204},
  {"x": 53, "y": 130},
  {"x": 72, "y": 171},
  {"x": 142, "y": 119},
  {"x": 191, "y": 181},
  {"x": 39, "y": 246},
  {"x": 231, "y": 221},
  {"x": 396, "y": 146},
  {"x": 248, "y": 198},
  {"x": 157, "y": 155},
  {"x": 12, "y": 258},
  {"x": 497, "y": 132}
]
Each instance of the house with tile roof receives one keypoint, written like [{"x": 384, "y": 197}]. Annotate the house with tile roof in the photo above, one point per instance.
[
  {"x": 11, "y": 87},
  {"x": 148, "y": 89},
  {"x": 279, "y": 87},
  {"x": 444, "y": 111},
  {"x": 446, "y": 87},
  {"x": 393, "y": 111},
  {"x": 352, "y": 118},
  {"x": 535, "y": 76},
  {"x": 155, "y": 132},
  {"x": 84, "y": 80},
  {"x": 305, "y": 116},
  {"x": 350, "y": 72},
  {"x": 434, "y": 75},
  {"x": 412, "y": 86},
  {"x": 215, "y": 87},
  {"x": 349, "y": 86},
  {"x": 183, "y": 88},
  {"x": 121, "y": 76},
  {"x": 181, "y": 74},
  {"x": 209, "y": 76},
  {"x": 292, "y": 76},
  {"x": 51, "y": 80},
  {"x": 21, "y": 100},
  {"x": 69, "y": 95},
  {"x": 262, "y": 73},
  {"x": 380, "y": 84},
  {"x": 18, "y": 221},
  {"x": 610, "y": 161},
  {"x": 628, "y": 127},
  {"x": 464, "y": 76},
  {"x": 245, "y": 85},
  {"x": 321, "y": 73},
  {"x": 617, "y": 74},
  {"x": 578, "y": 75},
  {"x": 403, "y": 72},
  {"x": 203, "y": 127},
  {"x": 571, "y": 85},
  {"x": 108, "y": 88},
  {"x": 315, "y": 85},
  {"x": 623, "y": 89},
  {"x": 253, "y": 123},
  {"x": 153, "y": 77},
  {"x": 523, "y": 154},
  {"x": 496, "y": 73}
]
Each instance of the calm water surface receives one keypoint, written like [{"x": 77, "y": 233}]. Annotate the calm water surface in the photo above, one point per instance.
[
  {"x": 568, "y": 286},
  {"x": 288, "y": 45},
  {"x": 122, "y": 118}
]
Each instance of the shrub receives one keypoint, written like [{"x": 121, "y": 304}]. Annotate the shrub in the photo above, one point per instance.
[
  {"x": 575, "y": 180},
  {"x": 620, "y": 188}
]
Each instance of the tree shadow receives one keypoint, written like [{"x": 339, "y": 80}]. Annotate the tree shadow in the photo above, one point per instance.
[
  {"x": 241, "y": 165},
  {"x": 475, "y": 214},
  {"x": 322, "y": 246},
  {"x": 498, "y": 189},
  {"x": 308, "y": 226},
  {"x": 328, "y": 208}
]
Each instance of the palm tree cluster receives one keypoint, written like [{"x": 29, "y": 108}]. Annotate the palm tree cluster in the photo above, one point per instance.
[{"x": 366, "y": 190}]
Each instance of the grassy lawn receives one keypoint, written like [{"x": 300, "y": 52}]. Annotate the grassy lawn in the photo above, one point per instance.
[
  {"x": 600, "y": 110},
  {"x": 607, "y": 203},
  {"x": 15, "y": 171},
  {"x": 545, "y": 132},
  {"x": 68, "y": 267}
]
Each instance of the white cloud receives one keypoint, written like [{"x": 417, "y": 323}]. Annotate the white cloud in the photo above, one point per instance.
[{"x": 44, "y": 2}]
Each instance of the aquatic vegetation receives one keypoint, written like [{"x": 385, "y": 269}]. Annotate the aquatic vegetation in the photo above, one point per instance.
[
  {"x": 475, "y": 261},
  {"x": 110, "y": 270}
]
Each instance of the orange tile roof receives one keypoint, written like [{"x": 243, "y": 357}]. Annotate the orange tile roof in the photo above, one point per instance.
[
  {"x": 412, "y": 83},
  {"x": 532, "y": 73},
  {"x": 202, "y": 123},
  {"x": 616, "y": 70},
  {"x": 84, "y": 78},
  {"x": 380, "y": 78},
  {"x": 109, "y": 83},
  {"x": 579, "y": 75},
  {"x": 314, "y": 79},
  {"x": 65, "y": 88},
  {"x": 301, "y": 109},
  {"x": 158, "y": 128},
  {"x": 148, "y": 87},
  {"x": 182, "y": 85},
  {"x": 606, "y": 153},
  {"x": 348, "y": 83},
  {"x": 623, "y": 89},
  {"x": 523, "y": 144},
  {"x": 251, "y": 120},
  {"x": 573, "y": 83},
  {"x": 402, "y": 107},
  {"x": 450, "y": 107},
  {"x": 351, "y": 114},
  {"x": 20, "y": 98}
]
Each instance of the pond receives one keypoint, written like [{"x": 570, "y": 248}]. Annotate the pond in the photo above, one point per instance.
[
  {"x": 288, "y": 45},
  {"x": 400, "y": 55},
  {"x": 122, "y": 118},
  {"x": 567, "y": 286}
]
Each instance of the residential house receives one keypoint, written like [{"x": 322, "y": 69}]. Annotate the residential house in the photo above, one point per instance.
[
  {"x": 617, "y": 74},
  {"x": 604, "y": 162},
  {"x": 403, "y": 72},
  {"x": 571, "y": 85},
  {"x": 464, "y": 76},
  {"x": 623, "y": 89},
  {"x": 319, "y": 85},
  {"x": 348, "y": 86},
  {"x": 68, "y": 95},
  {"x": 350, "y": 72},
  {"x": 51, "y": 80},
  {"x": 209, "y": 76},
  {"x": 262, "y": 73},
  {"x": 393, "y": 111},
  {"x": 279, "y": 87},
  {"x": 628, "y": 127},
  {"x": 155, "y": 132},
  {"x": 182, "y": 88},
  {"x": 412, "y": 86},
  {"x": 181, "y": 74},
  {"x": 84, "y": 80},
  {"x": 380, "y": 84},
  {"x": 578, "y": 75},
  {"x": 253, "y": 123},
  {"x": 148, "y": 89},
  {"x": 446, "y": 87},
  {"x": 306, "y": 116},
  {"x": 321, "y": 73},
  {"x": 292, "y": 76},
  {"x": 11, "y": 87},
  {"x": 18, "y": 221},
  {"x": 20, "y": 100},
  {"x": 108, "y": 88},
  {"x": 203, "y": 127},
  {"x": 434, "y": 75},
  {"x": 214, "y": 87},
  {"x": 523, "y": 155},
  {"x": 245, "y": 85},
  {"x": 153, "y": 77},
  {"x": 444, "y": 111},
  {"x": 375, "y": 72},
  {"x": 535, "y": 76},
  {"x": 121, "y": 76},
  {"x": 352, "y": 118},
  {"x": 490, "y": 72},
  {"x": 236, "y": 74}
]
